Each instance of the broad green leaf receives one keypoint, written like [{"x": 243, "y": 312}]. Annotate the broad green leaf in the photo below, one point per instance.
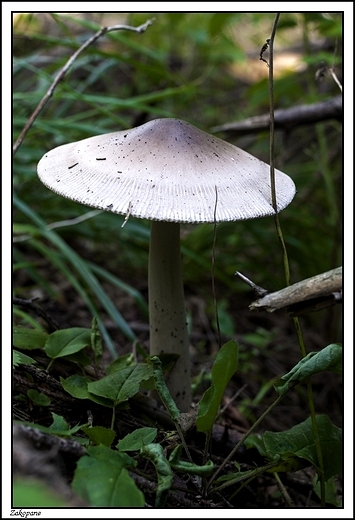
[
  {"x": 223, "y": 369},
  {"x": 60, "y": 426},
  {"x": 102, "y": 480},
  {"x": 329, "y": 358},
  {"x": 299, "y": 442},
  {"x": 123, "y": 384},
  {"x": 67, "y": 341},
  {"x": 77, "y": 386},
  {"x": 137, "y": 439},
  {"x": 80, "y": 358},
  {"x": 18, "y": 358},
  {"x": 38, "y": 398},
  {"x": 155, "y": 453},
  {"x": 122, "y": 362},
  {"x": 15, "y": 358},
  {"x": 29, "y": 339},
  {"x": 330, "y": 491},
  {"x": 256, "y": 441},
  {"x": 59, "y": 423},
  {"x": 32, "y": 493},
  {"x": 100, "y": 435}
]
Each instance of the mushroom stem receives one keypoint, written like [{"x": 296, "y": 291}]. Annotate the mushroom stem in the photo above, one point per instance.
[{"x": 168, "y": 330}]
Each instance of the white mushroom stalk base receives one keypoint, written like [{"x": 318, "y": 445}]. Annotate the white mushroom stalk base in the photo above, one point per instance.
[{"x": 168, "y": 329}]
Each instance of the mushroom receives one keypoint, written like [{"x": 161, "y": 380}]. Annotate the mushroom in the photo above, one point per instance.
[{"x": 169, "y": 172}]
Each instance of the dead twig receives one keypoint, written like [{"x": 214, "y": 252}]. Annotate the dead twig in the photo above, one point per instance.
[
  {"x": 287, "y": 118},
  {"x": 318, "y": 289},
  {"x": 29, "y": 304},
  {"x": 64, "y": 70}
]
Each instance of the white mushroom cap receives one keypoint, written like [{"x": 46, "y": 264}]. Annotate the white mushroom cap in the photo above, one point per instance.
[{"x": 165, "y": 170}]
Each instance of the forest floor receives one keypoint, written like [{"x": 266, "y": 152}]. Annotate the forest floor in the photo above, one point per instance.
[{"x": 268, "y": 349}]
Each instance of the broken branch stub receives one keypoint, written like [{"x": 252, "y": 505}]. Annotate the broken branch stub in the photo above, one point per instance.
[{"x": 319, "y": 286}]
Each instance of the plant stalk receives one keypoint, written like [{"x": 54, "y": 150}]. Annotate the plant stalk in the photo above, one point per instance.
[{"x": 285, "y": 256}]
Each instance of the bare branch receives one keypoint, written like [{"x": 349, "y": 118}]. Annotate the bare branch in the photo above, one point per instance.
[
  {"x": 65, "y": 69},
  {"x": 325, "y": 287},
  {"x": 31, "y": 305},
  {"x": 287, "y": 118}
]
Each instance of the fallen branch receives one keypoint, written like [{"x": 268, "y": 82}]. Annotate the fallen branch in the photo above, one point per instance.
[
  {"x": 311, "y": 294},
  {"x": 287, "y": 117},
  {"x": 45, "y": 441}
]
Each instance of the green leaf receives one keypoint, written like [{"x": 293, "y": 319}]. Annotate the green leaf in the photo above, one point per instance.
[
  {"x": 59, "y": 423},
  {"x": 330, "y": 491},
  {"x": 299, "y": 442},
  {"x": 329, "y": 358},
  {"x": 38, "y": 398},
  {"x": 18, "y": 358},
  {"x": 96, "y": 340},
  {"x": 155, "y": 453},
  {"x": 102, "y": 480},
  {"x": 31, "y": 493},
  {"x": 67, "y": 341},
  {"x": 29, "y": 339},
  {"x": 122, "y": 362},
  {"x": 15, "y": 358},
  {"x": 223, "y": 369},
  {"x": 59, "y": 427},
  {"x": 80, "y": 358},
  {"x": 100, "y": 435},
  {"x": 123, "y": 384},
  {"x": 77, "y": 386},
  {"x": 137, "y": 439}
]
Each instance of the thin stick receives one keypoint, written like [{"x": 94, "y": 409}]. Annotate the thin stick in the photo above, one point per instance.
[
  {"x": 259, "y": 290},
  {"x": 272, "y": 109},
  {"x": 65, "y": 69},
  {"x": 245, "y": 436},
  {"x": 288, "y": 500},
  {"x": 272, "y": 141},
  {"x": 231, "y": 400}
]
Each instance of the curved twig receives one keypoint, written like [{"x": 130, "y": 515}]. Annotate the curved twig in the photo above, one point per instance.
[{"x": 65, "y": 69}]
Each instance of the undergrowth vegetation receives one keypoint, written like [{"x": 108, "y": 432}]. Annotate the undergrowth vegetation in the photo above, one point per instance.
[{"x": 80, "y": 279}]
